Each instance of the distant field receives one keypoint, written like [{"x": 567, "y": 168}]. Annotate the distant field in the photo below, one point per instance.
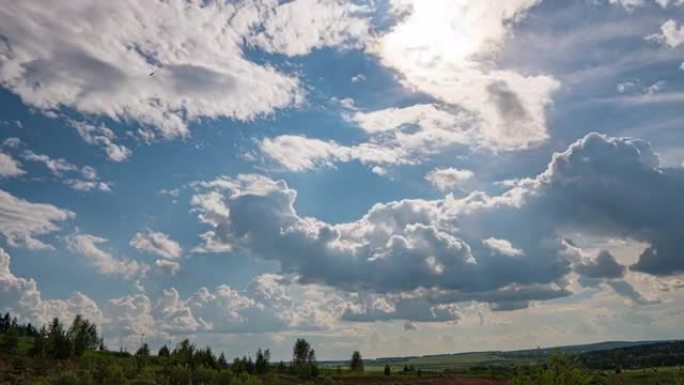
[
  {"x": 451, "y": 361},
  {"x": 470, "y": 359},
  {"x": 662, "y": 376},
  {"x": 367, "y": 380},
  {"x": 461, "y": 361}
]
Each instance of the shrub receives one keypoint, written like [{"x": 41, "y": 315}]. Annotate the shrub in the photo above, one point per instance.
[
  {"x": 561, "y": 369},
  {"x": 67, "y": 378}
]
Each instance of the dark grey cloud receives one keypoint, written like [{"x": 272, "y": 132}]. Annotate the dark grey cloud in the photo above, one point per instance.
[
  {"x": 615, "y": 187},
  {"x": 604, "y": 266},
  {"x": 625, "y": 289},
  {"x": 507, "y": 102}
]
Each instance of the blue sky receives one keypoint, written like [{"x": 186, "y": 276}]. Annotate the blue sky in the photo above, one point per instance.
[{"x": 396, "y": 177}]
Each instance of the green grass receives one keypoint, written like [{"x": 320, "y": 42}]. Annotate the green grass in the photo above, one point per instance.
[
  {"x": 651, "y": 376},
  {"x": 25, "y": 344}
]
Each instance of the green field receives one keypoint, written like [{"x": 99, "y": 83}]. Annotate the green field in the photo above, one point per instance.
[
  {"x": 651, "y": 376},
  {"x": 455, "y": 362}
]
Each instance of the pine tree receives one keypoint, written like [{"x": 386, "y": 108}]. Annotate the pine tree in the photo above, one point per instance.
[
  {"x": 11, "y": 340},
  {"x": 40, "y": 343},
  {"x": 222, "y": 362},
  {"x": 83, "y": 336},
  {"x": 262, "y": 361},
  {"x": 58, "y": 343},
  {"x": 164, "y": 352},
  {"x": 356, "y": 364}
]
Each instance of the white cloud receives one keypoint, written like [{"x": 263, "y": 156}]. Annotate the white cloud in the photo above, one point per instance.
[
  {"x": 60, "y": 167},
  {"x": 671, "y": 34},
  {"x": 397, "y": 136},
  {"x": 378, "y": 170},
  {"x": 168, "y": 267},
  {"x": 502, "y": 246},
  {"x": 358, "y": 78},
  {"x": 630, "y": 5},
  {"x": 666, "y": 3},
  {"x": 56, "y": 166},
  {"x": 160, "y": 64},
  {"x": 412, "y": 310},
  {"x": 626, "y": 86},
  {"x": 21, "y": 221},
  {"x": 654, "y": 88},
  {"x": 270, "y": 303},
  {"x": 12, "y": 142},
  {"x": 9, "y": 167},
  {"x": 297, "y": 27},
  {"x": 479, "y": 105},
  {"x": 21, "y": 297},
  {"x": 298, "y": 153},
  {"x": 131, "y": 315},
  {"x": 89, "y": 173},
  {"x": 443, "y": 47},
  {"x": 89, "y": 246},
  {"x": 448, "y": 179},
  {"x": 103, "y": 137},
  {"x": 87, "y": 185},
  {"x": 156, "y": 243}
]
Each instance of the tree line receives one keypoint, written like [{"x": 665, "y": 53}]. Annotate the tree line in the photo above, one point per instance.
[{"x": 59, "y": 354}]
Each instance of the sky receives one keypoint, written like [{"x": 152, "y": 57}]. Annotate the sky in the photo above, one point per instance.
[{"x": 398, "y": 177}]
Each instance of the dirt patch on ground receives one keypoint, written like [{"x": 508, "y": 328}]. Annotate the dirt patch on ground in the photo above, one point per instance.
[{"x": 420, "y": 381}]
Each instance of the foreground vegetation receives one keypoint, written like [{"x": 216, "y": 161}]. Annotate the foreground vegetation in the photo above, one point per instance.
[{"x": 76, "y": 355}]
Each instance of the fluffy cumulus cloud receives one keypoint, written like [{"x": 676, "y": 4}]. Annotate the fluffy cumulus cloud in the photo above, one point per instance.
[
  {"x": 447, "y": 179},
  {"x": 505, "y": 250},
  {"x": 22, "y": 297},
  {"x": 270, "y": 303},
  {"x": 21, "y": 221},
  {"x": 90, "y": 247},
  {"x": 9, "y": 167},
  {"x": 671, "y": 34},
  {"x": 168, "y": 267},
  {"x": 156, "y": 243},
  {"x": 502, "y": 246},
  {"x": 443, "y": 47}
]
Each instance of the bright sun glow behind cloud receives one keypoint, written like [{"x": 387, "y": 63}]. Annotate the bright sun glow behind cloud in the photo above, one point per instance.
[{"x": 445, "y": 48}]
